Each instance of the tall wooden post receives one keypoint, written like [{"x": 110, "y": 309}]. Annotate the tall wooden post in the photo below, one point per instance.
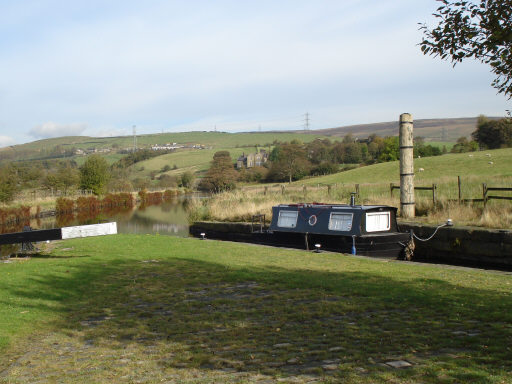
[
  {"x": 460, "y": 194},
  {"x": 407, "y": 205}
]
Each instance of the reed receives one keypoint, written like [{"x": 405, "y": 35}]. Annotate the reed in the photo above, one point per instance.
[
  {"x": 64, "y": 205},
  {"x": 169, "y": 194},
  {"x": 242, "y": 204}
]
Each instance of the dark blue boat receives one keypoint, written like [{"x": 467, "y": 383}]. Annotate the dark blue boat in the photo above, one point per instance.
[{"x": 369, "y": 230}]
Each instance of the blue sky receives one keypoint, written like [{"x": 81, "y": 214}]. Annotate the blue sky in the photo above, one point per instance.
[{"x": 99, "y": 67}]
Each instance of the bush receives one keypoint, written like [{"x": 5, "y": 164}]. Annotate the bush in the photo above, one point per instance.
[
  {"x": 63, "y": 205},
  {"x": 167, "y": 181},
  {"x": 325, "y": 168},
  {"x": 187, "y": 179}
]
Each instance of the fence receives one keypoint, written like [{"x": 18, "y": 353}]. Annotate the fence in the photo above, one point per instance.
[
  {"x": 487, "y": 197},
  {"x": 50, "y": 192},
  {"x": 363, "y": 189},
  {"x": 433, "y": 188},
  {"x": 283, "y": 188}
]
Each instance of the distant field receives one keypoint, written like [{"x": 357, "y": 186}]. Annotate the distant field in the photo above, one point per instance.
[
  {"x": 215, "y": 139},
  {"x": 190, "y": 159}
]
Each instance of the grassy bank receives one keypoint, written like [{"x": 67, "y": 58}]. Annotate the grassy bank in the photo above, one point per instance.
[
  {"x": 374, "y": 187},
  {"x": 158, "y": 309}
]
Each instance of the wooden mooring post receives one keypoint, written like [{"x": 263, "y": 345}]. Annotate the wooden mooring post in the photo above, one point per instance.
[
  {"x": 460, "y": 192},
  {"x": 407, "y": 204}
]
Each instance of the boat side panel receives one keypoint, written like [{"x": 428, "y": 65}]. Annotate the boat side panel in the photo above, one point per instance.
[{"x": 316, "y": 220}]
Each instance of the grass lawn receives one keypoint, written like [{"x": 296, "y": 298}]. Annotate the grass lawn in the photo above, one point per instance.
[{"x": 138, "y": 308}]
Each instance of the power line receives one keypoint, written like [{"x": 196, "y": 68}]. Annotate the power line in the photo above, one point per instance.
[
  {"x": 134, "y": 139},
  {"x": 306, "y": 121}
]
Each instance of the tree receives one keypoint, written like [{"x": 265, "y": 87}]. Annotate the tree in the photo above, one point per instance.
[
  {"x": 291, "y": 163},
  {"x": 8, "y": 184},
  {"x": 481, "y": 31},
  {"x": 94, "y": 174},
  {"x": 63, "y": 179},
  {"x": 463, "y": 145},
  {"x": 221, "y": 176},
  {"x": 493, "y": 133},
  {"x": 187, "y": 179},
  {"x": 391, "y": 150}
]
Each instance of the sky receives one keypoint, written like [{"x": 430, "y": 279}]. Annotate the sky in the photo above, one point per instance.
[{"x": 98, "y": 68}]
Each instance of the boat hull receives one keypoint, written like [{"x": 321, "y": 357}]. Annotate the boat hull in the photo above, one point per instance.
[{"x": 386, "y": 245}]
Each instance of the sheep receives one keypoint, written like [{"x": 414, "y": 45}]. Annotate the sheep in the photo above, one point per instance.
[
  {"x": 420, "y": 170},
  {"x": 470, "y": 155},
  {"x": 490, "y": 162},
  {"x": 488, "y": 154}
]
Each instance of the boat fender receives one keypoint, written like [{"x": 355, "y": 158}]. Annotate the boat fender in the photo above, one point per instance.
[{"x": 312, "y": 220}]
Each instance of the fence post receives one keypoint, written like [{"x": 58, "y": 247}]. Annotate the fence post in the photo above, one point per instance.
[
  {"x": 434, "y": 187},
  {"x": 282, "y": 189},
  {"x": 484, "y": 190},
  {"x": 357, "y": 190},
  {"x": 391, "y": 190},
  {"x": 329, "y": 190},
  {"x": 460, "y": 194},
  {"x": 305, "y": 191},
  {"x": 265, "y": 192}
]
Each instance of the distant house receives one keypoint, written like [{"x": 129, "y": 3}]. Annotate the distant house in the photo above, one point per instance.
[
  {"x": 252, "y": 159},
  {"x": 166, "y": 147}
]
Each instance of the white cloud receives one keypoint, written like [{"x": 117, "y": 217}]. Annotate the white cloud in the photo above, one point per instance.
[
  {"x": 5, "y": 141},
  {"x": 51, "y": 129}
]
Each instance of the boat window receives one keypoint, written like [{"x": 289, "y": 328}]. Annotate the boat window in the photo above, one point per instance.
[
  {"x": 377, "y": 221},
  {"x": 340, "y": 222},
  {"x": 287, "y": 219}
]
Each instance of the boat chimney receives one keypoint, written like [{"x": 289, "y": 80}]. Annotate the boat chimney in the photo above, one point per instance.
[{"x": 352, "y": 198}]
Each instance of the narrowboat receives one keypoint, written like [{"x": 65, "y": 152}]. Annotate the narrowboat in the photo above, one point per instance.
[{"x": 369, "y": 230}]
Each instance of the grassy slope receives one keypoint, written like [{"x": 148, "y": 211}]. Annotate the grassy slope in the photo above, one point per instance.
[
  {"x": 189, "y": 159},
  {"x": 206, "y": 311},
  {"x": 435, "y": 168},
  {"x": 216, "y": 139}
]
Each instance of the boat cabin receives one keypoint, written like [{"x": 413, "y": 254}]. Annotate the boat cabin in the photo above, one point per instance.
[
  {"x": 359, "y": 229},
  {"x": 327, "y": 219}
]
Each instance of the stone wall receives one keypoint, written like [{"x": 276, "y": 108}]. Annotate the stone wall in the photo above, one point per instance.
[{"x": 464, "y": 245}]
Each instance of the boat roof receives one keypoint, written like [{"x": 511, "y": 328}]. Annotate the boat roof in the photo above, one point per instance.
[{"x": 333, "y": 206}]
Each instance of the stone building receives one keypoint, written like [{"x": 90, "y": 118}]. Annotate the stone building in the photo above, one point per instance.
[{"x": 252, "y": 159}]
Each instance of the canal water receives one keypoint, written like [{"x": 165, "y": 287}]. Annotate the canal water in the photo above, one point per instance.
[{"x": 167, "y": 218}]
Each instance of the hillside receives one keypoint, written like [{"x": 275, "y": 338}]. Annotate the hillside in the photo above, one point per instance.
[
  {"x": 474, "y": 164},
  {"x": 431, "y": 129},
  {"x": 215, "y": 140}
]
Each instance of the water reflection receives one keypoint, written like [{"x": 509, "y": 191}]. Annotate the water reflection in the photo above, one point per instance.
[{"x": 168, "y": 218}]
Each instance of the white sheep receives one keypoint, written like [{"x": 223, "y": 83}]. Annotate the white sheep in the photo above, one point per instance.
[
  {"x": 470, "y": 155},
  {"x": 488, "y": 154},
  {"x": 420, "y": 170},
  {"x": 490, "y": 162}
]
